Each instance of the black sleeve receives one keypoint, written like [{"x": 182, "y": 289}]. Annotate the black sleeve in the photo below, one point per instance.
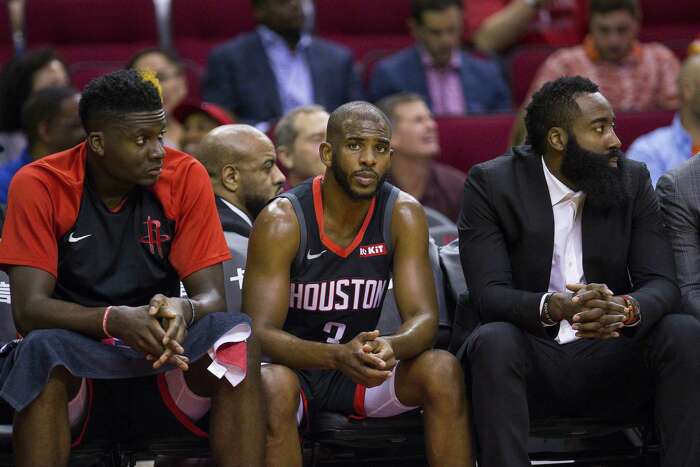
[{"x": 486, "y": 262}]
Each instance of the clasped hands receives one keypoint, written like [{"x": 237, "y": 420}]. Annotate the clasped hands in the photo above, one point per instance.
[
  {"x": 592, "y": 309},
  {"x": 157, "y": 329},
  {"x": 367, "y": 359}
]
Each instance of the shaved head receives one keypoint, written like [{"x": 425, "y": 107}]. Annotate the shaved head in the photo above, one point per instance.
[
  {"x": 350, "y": 114},
  {"x": 689, "y": 86},
  {"x": 230, "y": 144},
  {"x": 240, "y": 161}
]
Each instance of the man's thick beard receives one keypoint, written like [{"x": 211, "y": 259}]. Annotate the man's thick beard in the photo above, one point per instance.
[
  {"x": 343, "y": 180},
  {"x": 605, "y": 187}
]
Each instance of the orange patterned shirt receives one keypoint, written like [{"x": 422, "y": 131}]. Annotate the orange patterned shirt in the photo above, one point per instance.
[{"x": 645, "y": 80}]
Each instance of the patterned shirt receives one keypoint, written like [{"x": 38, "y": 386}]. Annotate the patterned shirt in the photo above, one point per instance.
[
  {"x": 444, "y": 84},
  {"x": 663, "y": 149},
  {"x": 644, "y": 80}
]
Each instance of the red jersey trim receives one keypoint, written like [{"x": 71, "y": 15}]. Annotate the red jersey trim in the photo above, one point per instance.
[
  {"x": 175, "y": 410},
  {"x": 358, "y": 403},
  {"x": 330, "y": 244}
]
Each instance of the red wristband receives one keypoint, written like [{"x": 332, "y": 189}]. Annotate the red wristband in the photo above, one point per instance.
[
  {"x": 105, "y": 317},
  {"x": 633, "y": 316}
]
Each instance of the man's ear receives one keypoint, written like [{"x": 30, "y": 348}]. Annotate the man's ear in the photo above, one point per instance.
[
  {"x": 557, "y": 138},
  {"x": 326, "y": 152},
  {"x": 285, "y": 158},
  {"x": 230, "y": 178},
  {"x": 42, "y": 131},
  {"x": 96, "y": 141}
]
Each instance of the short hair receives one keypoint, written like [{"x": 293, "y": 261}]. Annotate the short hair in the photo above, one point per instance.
[
  {"x": 554, "y": 105},
  {"x": 360, "y": 109},
  {"x": 606, "y": 6},
  {"x": 16, "y": 80},
  {"x": 418, "y": 7},
  {"x": 286, "y": 132},
  {"x": 111, "y": 96},
  {"x": 389, "y": 104},
  {"x": 44, "y": 106},
  {"x": 170, "y": 55}
]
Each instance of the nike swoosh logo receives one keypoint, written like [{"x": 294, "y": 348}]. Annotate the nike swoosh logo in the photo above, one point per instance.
[
  {"x": 310, "y": 256},
  {"x": 73, "y": 239}
]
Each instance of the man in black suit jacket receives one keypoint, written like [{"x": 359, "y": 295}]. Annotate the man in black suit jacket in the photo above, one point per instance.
[
  {"x": 264, "y": 74},
  {"x": 563, "y": 249}
]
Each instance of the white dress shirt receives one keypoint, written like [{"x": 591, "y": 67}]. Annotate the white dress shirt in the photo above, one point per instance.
[{"x": 567, "y": 259}]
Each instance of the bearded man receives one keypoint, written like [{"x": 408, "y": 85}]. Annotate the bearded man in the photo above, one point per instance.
[{"x": 563, "y": 248}]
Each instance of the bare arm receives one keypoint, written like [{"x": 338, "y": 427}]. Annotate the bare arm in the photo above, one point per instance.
[
  {"x": 271, "y": 251},
  {"x": 503, "y": 29},
  {"x": 414, "y": 285}
]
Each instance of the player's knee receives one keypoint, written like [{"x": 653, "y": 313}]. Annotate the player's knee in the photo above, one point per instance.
[
  {"x": 281, "y": 388},
  {"x": 442, "y": 377}
]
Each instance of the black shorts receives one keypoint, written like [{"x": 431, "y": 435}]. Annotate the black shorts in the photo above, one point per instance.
[
  {"x": 330, "y": 390},
  {"x": 133, "y": 410}
]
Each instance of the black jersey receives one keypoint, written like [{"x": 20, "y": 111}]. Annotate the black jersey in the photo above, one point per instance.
[
  {"x": 133, "y": 262},
  {"x": 336, "y": 293}
]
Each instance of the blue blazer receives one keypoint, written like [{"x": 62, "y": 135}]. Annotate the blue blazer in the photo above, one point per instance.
[
  {"x": 483, "y": 85},
  {"x": 239, "y": 77}
]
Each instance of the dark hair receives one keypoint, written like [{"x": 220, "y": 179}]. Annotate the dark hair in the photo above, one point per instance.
[
  {"x": 606, "y": 6},
  {"x": 111, "y": 96},
  {"x": 418, "y": 7},
  {"x": 44, "y": 106},
  {"x": 16, "y": 80},
  {"x": 170, "y": 55},
  {"x": 388, "y": 104},
  {"x": 554, "y": 105}
]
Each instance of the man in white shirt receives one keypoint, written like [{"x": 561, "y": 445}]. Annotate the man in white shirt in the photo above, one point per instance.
[{"x": 570, "y": 273}]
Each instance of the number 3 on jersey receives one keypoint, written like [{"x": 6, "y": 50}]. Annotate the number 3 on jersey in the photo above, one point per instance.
[{"x": 336, "y": 330}]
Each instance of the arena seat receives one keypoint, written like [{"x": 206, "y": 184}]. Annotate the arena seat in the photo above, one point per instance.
[
  {"x": 81, "y": 73},
  {"x": 678, "y": 20},
  {"x": 631, "y": 125},
  {"x": 364, "y": 25},
  {"x": 197, "y": 26},
  {"x": 523, "y": 63},
  {"x": 7, "y": 48},
  {"x": 465, "y": 141},
  {"x": 111, "y": 32}
]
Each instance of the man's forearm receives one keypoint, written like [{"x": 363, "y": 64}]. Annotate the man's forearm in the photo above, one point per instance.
[
  {"x": 293, "y": 352},
  {"x": 414, "y": 336},
  {"x": 49, "y": 313}
]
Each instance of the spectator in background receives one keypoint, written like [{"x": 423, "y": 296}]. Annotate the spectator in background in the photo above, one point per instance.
[
  {"x": 51, "y": 123},
  {"x": 633, "y": 76},
  {"x": 198, "y": 119},
  {"x": 414, "y": 140},
  {"x": 264, "y": 74},
  {"x": 20, "y": 78},
  {"x": 496, "y": 25},
  {"x": 694, "y": 47},
  {"x": 241, "y": 164},
  {"x": 450, "y": 80},
  {"x": 668, "y": 147},
  {"x": 171, "y": 74},
  {"x": 298, "y": 135}
]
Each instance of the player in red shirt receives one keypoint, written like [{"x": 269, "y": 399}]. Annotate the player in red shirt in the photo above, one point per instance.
[{"x": 96, "y": 242}]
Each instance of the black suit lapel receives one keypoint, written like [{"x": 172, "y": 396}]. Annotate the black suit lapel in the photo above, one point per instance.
[{"x": 538, "y": 218}]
